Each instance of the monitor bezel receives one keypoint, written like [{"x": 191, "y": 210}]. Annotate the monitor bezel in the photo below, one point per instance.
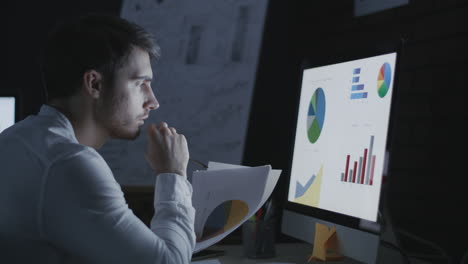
[{"x": 308, "y": 63}]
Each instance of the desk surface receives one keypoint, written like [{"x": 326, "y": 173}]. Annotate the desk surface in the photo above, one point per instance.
[
  {"x": 297, "y": 253},
  {"x": 285, "y": 253}
]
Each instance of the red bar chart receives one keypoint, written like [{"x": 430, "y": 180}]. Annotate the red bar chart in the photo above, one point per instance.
[{"x": 362, "y": 169}]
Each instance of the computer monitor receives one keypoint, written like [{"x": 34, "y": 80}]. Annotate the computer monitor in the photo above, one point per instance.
[
  {"x": 339, "y": 152},
  {"x": 7, "y": 111}
]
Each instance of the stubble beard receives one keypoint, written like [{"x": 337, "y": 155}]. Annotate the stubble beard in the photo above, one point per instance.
[
  {"x": 116, "y": 123},
  {"x": 119, "y": 127},
  {"x": 119, "y": 132}
]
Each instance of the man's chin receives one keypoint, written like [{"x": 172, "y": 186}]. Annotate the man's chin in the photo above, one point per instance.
[{"x": 126, "y": 135}]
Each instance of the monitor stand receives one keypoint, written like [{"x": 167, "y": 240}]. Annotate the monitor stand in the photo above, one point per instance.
[{"x": 356, "y": 244}]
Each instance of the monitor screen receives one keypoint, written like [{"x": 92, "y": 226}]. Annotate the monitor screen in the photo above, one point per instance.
[
  {"x": 7, "y": 112},
  {"x": 341, "y": 136}
]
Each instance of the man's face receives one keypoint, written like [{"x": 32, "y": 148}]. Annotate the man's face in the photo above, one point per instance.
[{"x": 127, "y": 103}]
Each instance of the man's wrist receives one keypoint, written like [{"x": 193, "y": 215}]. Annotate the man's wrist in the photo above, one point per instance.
[
  {"x": 178, "y": 172},
  {"x": 172, "y": 187},
  {"x": 181, "y": 173}
]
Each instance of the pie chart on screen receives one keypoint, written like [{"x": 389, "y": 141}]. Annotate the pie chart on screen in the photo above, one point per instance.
[
  {"x": 384, "y": 79},
  {"x": 316, "y": 115}
]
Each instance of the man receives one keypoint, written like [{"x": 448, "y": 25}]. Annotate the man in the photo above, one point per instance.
[{"x": 59, "y": 202}]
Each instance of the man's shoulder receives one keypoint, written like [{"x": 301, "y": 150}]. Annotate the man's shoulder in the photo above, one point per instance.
[
  {"x": 81, "y": 166},
  {"x": 66, "y": 151},
  {"x": 62, "y": 151},
  {"x": 46, "y": 139},
  {"x": 35, "y": 130}
]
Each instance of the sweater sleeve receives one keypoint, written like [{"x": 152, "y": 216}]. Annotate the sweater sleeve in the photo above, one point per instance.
[{"x": 84, "y": 213}]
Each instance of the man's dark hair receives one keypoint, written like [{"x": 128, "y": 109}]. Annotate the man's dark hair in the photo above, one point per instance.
[{"x": 98, "y": 42}]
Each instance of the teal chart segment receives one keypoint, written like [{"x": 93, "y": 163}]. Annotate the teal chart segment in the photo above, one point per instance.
[{"x": 316, "y": 115}]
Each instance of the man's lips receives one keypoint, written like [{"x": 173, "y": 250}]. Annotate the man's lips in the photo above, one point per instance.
[{"x": 144, "y": 116}]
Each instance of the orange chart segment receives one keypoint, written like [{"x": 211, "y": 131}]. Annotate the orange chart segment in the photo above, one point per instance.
[
  {"x": 224, "y": 217},
  {"x": 381, "y": 73},
  {"x": 239, "y": 211}
]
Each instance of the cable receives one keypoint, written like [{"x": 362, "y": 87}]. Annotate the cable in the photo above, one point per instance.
[
  {"x": 199, "y": 163},
  {"x": 443, "y": 254},
  {"x": 397, "y": 248},
  {"x": 400, "y": 232},
  {"x": 427, "y": 257},
  {"x": 382, "y": 219},
  {"x": 464, "y": 260},
  {"x": 387, "y": 226}
]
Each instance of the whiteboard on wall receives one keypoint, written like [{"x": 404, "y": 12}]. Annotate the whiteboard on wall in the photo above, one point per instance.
[{"x": 203, "y": 81}]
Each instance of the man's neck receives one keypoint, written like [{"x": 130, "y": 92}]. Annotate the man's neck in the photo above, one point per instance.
[{"x": 87, "y": 130}]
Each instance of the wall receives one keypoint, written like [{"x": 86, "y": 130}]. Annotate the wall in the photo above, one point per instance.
[
  {"x": 203, "y": 81},
  {"x": 25, "y": 27}
]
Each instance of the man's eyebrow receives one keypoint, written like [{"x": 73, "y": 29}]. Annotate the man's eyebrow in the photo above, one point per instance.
[{"x": 143, "y": 77}]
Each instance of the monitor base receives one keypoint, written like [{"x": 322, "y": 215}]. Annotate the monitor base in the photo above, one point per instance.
[{"x": 356, "y": 244}]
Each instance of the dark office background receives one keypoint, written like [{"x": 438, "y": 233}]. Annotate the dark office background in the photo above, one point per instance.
[{"x": 427, "y": 190}]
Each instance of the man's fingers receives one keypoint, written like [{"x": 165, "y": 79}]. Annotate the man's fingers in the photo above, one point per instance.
[
  {"x": 152, "y": 128},
  {"x": 162, "y": 125},
  {"x": 182, "y": 137},
  {"x": 164, "y": 129},
  {"x": 161, "y": 128},
  {"x": 153, "y": 132}
]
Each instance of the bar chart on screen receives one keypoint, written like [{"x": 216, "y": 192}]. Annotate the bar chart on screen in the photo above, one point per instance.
[
  {"x": 357, "y": 88},
  {"x": 360, "y": 170}
]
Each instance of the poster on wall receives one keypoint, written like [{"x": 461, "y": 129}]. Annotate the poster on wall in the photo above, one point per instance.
[{"x": 203, "y": 81}]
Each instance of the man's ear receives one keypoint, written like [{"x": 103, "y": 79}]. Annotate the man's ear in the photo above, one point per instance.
[{"x": 92, "y": 83}]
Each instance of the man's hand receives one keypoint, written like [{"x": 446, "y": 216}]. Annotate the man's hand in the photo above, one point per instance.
[{"x": 167, "y": 151}]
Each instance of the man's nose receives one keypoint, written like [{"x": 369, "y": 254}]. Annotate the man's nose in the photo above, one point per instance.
[{"x": 152, "y": 102}]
